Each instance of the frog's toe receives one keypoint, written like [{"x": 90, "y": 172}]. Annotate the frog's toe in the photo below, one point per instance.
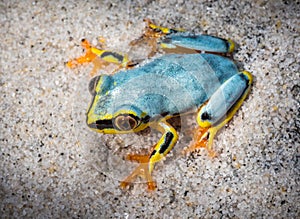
[
  {"x": 71, "y": 64},
  {"x": 151, "y": 185}
]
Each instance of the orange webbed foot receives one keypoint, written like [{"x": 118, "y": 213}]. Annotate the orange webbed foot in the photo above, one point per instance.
[
  {"x": 201, "y": 140},
  {"x": 142, "y": 170},
  {"x": 88, "y": 57},
  {"x": 99, "y": 57}
]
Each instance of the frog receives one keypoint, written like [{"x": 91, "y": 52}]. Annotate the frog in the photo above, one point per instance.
[{"x": 206, "y": 82}]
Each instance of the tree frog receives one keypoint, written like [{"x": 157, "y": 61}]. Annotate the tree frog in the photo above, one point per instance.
[{"x": 149, "y": 94}]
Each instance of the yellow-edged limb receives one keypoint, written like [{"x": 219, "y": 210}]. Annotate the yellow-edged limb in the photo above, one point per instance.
[
  {"x": 100, "y": 58},
  {"x": 206, "y": 132},
  {"x": 165, "y": 143},
  {"x": 160, "y": 150},
  {"x": 111, "y": 57}
]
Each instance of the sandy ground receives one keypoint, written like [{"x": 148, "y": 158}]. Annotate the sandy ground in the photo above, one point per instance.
[{"x": 53, "y": 166}]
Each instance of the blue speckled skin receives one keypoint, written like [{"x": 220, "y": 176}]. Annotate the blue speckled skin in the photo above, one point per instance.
[
  {"x": 168, "y": 85},
  {"x": 197, "y": 42},
  {"x": 163, "y": 87}
]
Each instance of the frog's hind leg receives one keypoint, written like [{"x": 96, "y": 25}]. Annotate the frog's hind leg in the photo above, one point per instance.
[
  {"x": 219, "y": 109},
  {"x": 151, "y": 32},
  {"x": 151, "y": 35},
  {"x": 197, "y": 42}
]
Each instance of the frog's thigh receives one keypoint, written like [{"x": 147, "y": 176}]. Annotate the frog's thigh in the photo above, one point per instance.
[
  {"x": 198, "y": 42},
  {"x": 224, "y": 102}
]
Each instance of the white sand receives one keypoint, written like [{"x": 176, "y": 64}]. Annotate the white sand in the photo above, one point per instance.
[{"x": 53, "y": 166}]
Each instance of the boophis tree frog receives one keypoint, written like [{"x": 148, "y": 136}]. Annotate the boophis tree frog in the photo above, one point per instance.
[{"x": 147, "y": 95}]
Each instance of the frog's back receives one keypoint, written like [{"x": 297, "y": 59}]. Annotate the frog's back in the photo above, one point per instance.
[{"x": 174, "y": 83}]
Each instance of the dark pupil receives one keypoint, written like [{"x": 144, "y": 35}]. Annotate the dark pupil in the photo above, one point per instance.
[{"x": 126, "y": 123}]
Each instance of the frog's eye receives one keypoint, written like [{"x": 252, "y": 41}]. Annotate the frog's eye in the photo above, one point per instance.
[
  {"x": 92, "y": 85},
  {"x": 125, "y": 122}
]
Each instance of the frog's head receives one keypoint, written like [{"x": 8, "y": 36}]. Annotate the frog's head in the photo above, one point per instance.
[{"x": 106, "y": 114}]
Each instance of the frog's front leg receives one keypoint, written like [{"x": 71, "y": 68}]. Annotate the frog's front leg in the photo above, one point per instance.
[
  {"x": 219, "y": 109},
  {"x": 160, "y": 150},
  {"x": 88, "y": 57},
  {"x": 99, "y": 57}
]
